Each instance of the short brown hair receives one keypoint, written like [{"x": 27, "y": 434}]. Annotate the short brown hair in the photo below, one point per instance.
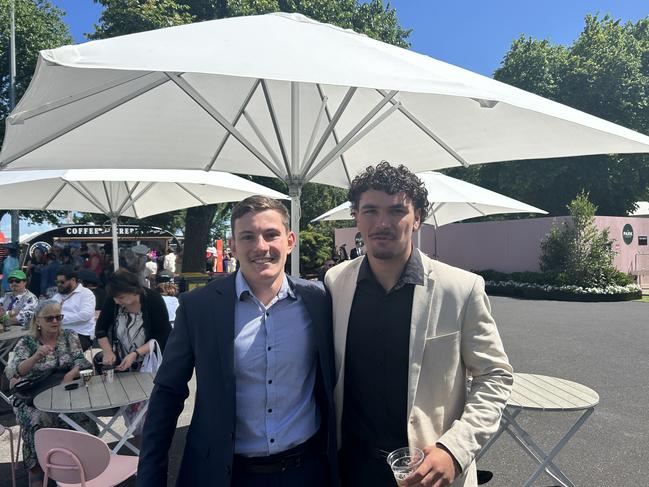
[
  {"x": 257, "y": 204},
  {"x": 123, "y": 281}
]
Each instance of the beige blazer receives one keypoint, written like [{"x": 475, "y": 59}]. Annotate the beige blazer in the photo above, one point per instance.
[{"x": 452, "y": 337}]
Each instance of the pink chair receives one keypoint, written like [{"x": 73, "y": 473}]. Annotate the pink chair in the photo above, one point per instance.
[
  {"x": 11, "y": 448},
  {"x": 73, "y": 458}
]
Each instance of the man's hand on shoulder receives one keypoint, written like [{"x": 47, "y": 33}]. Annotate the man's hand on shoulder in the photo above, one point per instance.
[{"x": 438, "y": 469}]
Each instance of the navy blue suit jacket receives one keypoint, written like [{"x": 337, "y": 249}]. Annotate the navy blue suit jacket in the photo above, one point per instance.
[{"x": 203, "y": 338}]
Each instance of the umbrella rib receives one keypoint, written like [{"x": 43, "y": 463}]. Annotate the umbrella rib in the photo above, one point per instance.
[
  {"x": 220, "y": 119},
  {"x": 332, "y": 123},
  {"x": 88, "y": 196},
  {"x": 476, "y": 209},
  {"x": 21, "y": 117},
  {"x": 108, "y": 198},
  {"x": 133, "y": 200},
  {"x": 362, "y": 128},
  {"x": 191, "y": 193},
  {"x": 276, "y": 127},
  {"x": 430, "y": 133},
  {"x": 246, "y": 100},
  {"x": 263, "y": 140},
  {"x": 324, "y": 99},
  {"x": 83, "y": 120},
  {"x": 316, "y": 126},
  {"x": 129, "y": 193},
  {"x": 56, "y": 193}
]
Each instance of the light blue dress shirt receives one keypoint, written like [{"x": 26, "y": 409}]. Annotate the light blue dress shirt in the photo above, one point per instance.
[{"x": 275, "y": 369}]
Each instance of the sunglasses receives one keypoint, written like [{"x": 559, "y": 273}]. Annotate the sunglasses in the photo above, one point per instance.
[
  {"x": 51, "y": 318},
  {"x": 15, "y": 281}
]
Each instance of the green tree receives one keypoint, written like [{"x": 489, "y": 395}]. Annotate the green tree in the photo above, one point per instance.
[
  {"x": 373, "y": 18},
  {"x": 605, "y": 72},
  {"x": 315, "y": 249},
  {"x": 577, "y": 251},
  {"x": 39, "y": 25},
  {"x": 122, "y": 17}
]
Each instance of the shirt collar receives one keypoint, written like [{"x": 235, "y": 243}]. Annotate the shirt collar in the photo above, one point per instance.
[
  {"x": 241, "y": 286},
  {"x": 413, "y": 272}
]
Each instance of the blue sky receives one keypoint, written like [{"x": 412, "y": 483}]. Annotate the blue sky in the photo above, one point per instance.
[{"x": 473, "y": 34}]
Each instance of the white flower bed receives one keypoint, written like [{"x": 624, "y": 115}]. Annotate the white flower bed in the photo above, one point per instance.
[{"x": 612, "y": 289}]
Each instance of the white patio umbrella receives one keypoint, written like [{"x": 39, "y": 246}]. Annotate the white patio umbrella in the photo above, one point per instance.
[
  {"x": 312, "y": 102},
  {"x": 452, "y": 200},
  {"x": 136, "y": 193}
]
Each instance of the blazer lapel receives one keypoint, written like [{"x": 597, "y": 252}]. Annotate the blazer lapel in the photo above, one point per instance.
[
  {"x": 423, "y": 303},
  {"x": 223, "y": 323}
]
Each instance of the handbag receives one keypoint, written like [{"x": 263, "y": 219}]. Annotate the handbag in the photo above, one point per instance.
[
  {"x": 153, "y": 359},
  {"x": 25, "y": 390}
]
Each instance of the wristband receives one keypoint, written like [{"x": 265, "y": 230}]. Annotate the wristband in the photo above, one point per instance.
[{"x": 138, "y": 355}]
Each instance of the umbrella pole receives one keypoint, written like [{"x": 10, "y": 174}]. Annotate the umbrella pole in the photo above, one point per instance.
[
  {"x": 113, "y": 231},
  {"x": 294, "y": 192}
]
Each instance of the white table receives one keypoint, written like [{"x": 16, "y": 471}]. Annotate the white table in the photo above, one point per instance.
[
  {"x": 540, "y": 393},
  {"x": 127, "y": 388}
]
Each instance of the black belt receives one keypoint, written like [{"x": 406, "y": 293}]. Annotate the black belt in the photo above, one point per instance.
[{"x": 279, "y": 462}]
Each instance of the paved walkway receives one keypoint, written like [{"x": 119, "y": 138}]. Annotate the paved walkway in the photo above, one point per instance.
[{"x": 602, "y": 345}]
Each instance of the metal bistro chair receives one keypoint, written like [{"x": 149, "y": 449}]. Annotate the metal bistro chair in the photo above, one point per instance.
[
  {"x": 73, "y": 458},
  {"x": 11, "y": 450}
]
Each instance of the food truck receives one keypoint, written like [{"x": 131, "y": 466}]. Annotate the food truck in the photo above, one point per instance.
[{"x": 82, "y": 239}]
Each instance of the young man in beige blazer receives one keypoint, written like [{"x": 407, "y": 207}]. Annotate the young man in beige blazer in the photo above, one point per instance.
[{"x": 409, "y": 331}]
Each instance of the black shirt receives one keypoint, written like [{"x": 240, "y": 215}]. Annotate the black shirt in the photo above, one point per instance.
[{"x": 376, "y": 360}]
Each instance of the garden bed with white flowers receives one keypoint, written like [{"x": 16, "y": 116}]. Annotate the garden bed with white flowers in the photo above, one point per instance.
[{"x": 563, "y": 293}]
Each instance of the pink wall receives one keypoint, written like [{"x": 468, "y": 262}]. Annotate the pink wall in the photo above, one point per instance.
[{"x": 513, "y": 245}]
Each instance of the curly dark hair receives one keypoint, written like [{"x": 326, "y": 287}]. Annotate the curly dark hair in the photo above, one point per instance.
[{"x": 392, "y": 180}]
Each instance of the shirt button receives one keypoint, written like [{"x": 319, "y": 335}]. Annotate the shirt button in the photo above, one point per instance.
[
  {"x": 269, "y": 348},
  {"x": 267, "y": 314},
  {"x": 270, "y": 410},
  {"x": 270, "y": 381},
  {"x": 272, "y": 440}
]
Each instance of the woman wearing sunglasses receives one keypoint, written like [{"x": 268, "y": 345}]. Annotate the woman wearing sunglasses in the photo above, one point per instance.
[{"x": 48, "y": 346}]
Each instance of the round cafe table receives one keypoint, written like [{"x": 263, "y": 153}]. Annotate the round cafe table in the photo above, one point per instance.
[{"x": 127, "y": 388}]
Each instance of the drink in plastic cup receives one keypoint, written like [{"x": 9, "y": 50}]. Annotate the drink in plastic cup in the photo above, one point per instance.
[
  {"x": 404, "y": 462},
  {"x": 109, "y": 373},
  {"x": 86, "y": 375}
]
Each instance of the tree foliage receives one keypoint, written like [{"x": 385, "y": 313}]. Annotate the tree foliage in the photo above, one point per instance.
[
  {"x": 315, "y": 248},
  {"x": 605, "y": 72},
  {"x": 121, "y": 17},
  {"x": 577, "y": 251},
  {"x": 38, "y": 26}
]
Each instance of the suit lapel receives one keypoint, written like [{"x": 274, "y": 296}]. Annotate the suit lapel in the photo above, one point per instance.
[
  {"x": 221, "y": 313},
  {"x": 422, "y": 308}
]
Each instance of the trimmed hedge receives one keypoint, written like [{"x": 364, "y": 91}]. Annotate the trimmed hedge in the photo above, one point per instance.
[{"x": 558, "y": 295}]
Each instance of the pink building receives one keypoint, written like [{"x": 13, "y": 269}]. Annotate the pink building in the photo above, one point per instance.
[{"x": 514, "y": 245}]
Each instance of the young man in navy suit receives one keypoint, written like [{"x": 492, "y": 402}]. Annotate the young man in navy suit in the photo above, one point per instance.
[{"x": 260, "y": 343}]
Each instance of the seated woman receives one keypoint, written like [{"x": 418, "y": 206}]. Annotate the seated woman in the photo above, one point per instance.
[
  {"x": 132, "y": 315},
  {"x": 48, "y": 346}
]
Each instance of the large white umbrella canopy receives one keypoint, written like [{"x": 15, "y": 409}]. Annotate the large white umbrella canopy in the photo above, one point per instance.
[
  {"x": 452, "y": 200},
  {"x": 310, "y": 102},
  {"x": 136, "y": 193}
]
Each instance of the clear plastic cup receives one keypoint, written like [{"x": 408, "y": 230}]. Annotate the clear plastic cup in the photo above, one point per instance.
[
  {"x": 404, "y": 462},
  {"x": 86, "y": 376}
]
